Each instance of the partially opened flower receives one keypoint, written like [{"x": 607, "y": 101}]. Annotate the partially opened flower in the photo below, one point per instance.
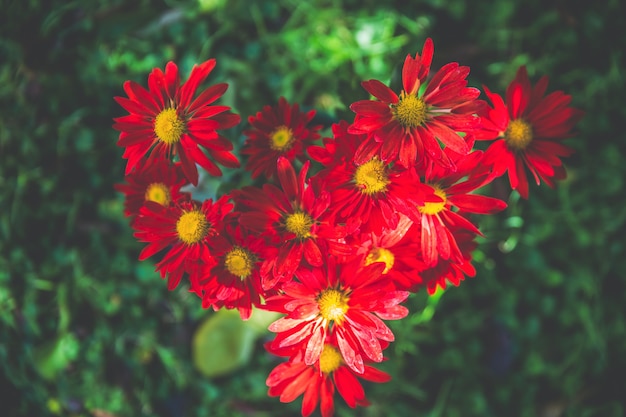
[
  {"x": 186, "y": 232},
  {"x": 281, "y": 130},
  {"x": 412, "y": 125},
  {"x": 167, "y": 121},
  {"x": 528, "y": 130},
  {"x": 159, "y": 182},
  {"x": 318, "y": 381},
  {"x": 438, "y": 222},
  {"x": 398, "y": 249}
]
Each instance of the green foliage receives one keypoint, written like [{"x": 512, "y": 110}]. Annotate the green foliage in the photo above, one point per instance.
[
  {"x": 224, "y": 342},
  {"x": 87, "y": 330}
]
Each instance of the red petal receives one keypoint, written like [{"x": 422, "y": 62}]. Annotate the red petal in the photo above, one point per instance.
[
  {"x": 449, "y": 138},
  {"x": 197, "y": 76},
  {"x": 480, "y": 204},
  {"x": 380, "y": 91},
  {"x": 172, "y": 79},
  {"x": 287, "y": 178}
]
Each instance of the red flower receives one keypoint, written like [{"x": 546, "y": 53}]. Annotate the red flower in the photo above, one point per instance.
[
  {"x": 398, "y": 249},
  {"x": 348, "y": 298},
  {"x": 159, "y": 182},
  {"x": 439, "y": 223},
  {"x": 370, "y": 195},
  {"x": 165, "y": 121},
  {"x": 408, "y": 127},
  {"x": 233, "y": 281},
  {"x": 528, "y": 130},
  {"x": 188, "y": 231},
  {"x": 281, "y": 130},
  {"x": 317, "y": 382},
  {"x": 292, "y": 218}
]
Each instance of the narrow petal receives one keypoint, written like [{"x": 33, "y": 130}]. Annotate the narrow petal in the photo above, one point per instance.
[{"x": 380, "y": 91}]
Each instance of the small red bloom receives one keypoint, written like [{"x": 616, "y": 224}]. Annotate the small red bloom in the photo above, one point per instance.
[
  {"x": 234, "y": 280},
  {"x": 398, "y": 249},
  {"x": 292, "y": 217},
  {"x": 187, "y": 230},
  {"x": 370, "y": 195},
  {"x": 408, "y": 127},
  {"x": 281, "y": 130},
  {"x": 349, "y": 299},
  {"x": 317, "y": 382},
  {"x": 528, "y": 131},
  {"x": 159, "y": 181},
  {"x": 439, "y": 223},
  {"x": 165, "y": 121}
]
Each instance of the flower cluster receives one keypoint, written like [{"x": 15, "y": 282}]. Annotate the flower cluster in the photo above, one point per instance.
[{"x": 388, "y": 211}]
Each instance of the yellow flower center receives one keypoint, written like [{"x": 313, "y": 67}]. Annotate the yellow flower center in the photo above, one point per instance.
[
  {"x": 372, "y": 177},
  {"x": 299, "y": 224},
  {"x": 168, "y": 127},
  {"x": 192, "y": 227},
  {"x": 410, "y": 111},
  {"x": 434, "y": 208},
  {"x": 239, "y": 262},
  {"x": 380, "y": 255},
  {"x": 159, "y": 193},
  {"x": 333, "y": 304},
  {"x": 518, "y": 134},
  {"x": 281, "y": 139},
  {"x": 330, "y": 359}
]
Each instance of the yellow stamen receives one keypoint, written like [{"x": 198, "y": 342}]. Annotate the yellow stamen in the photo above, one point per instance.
[
  {"x": 410, "y": 111},
  {"x": 434, "y": 208},
  {"x": 372, "y": 177},
  {"x": 168, "y": 127},
  {"x": 299, "y": 224},
  {"x": 518, "y": 134},
  {"x": 239, "y": 262},
  {"x": 380, "y": 255},
  {"x": 330, "y": 359},
  {"x": 281, "y": 139},
  {"x": 192, "y": 227},
  {"x": 159, "y": 193},
  {"x": 333, "y": 304}
]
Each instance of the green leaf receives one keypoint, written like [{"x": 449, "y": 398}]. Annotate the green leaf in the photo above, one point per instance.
[
  {"x": 54, "y": 355},
  {"x": 222, "y": 343}
]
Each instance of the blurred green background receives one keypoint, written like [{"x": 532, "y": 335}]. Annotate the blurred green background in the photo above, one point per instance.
[{"x": 87, "y": 330}]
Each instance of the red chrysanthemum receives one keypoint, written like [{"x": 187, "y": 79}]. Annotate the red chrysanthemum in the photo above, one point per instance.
[
  {"x": 438, "y": 222},
  {"x": 350, "y": 299},
  {"x": 317, "y": 382},
  {"x": 234, "y": 280},
  {"x": 398, "y": 249},
  {"x": 408, "y": 127},
  {"x": 159, "y": 181},
  {"x": 281, "y": 130},
  {"x": 528, "y": 131},
  {"x": 292, "y": 219},
  {"x": 166, "y": 120},
  {"x": 369, "y": 195},
  {"x": 187, "y": 230}
]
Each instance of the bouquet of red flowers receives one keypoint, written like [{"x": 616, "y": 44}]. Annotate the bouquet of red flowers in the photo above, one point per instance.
[{"x": 345, "y": 227}]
